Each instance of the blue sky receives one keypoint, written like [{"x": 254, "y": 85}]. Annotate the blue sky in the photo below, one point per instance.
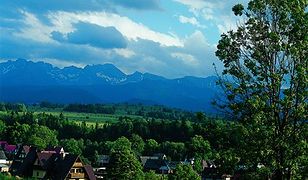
[{"x": 172, "y": 38}]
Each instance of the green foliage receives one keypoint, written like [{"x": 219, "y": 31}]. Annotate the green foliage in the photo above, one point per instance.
[
  {"x": 267, "y": 59},
  {"x": 41, "y": 137},
  {"x": 185, "y": 172},
  {"x": 121, "y": 143},
  {"x": 123, "y": 163},
  {"x": 73, "y": 146},
  {"x": 238, "y": 9},
  {"x": 175, "y": 150},
  {"x": 18, "y": 133},
  {"x": 2, "y": 128},
  {"x": 200, "y": 147},
  {"x": 151, "y": 176},
  {"x": 137, "y": 144},
  {"x": 151, "y": 146}
]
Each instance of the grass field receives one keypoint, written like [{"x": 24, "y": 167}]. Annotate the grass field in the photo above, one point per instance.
[
  {"x": 89, "y": 118},
  {"x": 136, "y": 111}
]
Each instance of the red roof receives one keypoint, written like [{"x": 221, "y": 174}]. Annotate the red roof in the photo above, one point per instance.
[
  {"x": 89, "y": 171},
  {"x": 26, "y": 148},
  {"x": 3, "y": 142},
  {"x": 43, "y": 157},
  {"x": 10, "y": 148}
]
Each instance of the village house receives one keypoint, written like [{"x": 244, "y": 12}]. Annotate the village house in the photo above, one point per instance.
[
  {"x": 19, "y": 157},
  {"x": 3, "y": 162},
  {"x": 9, "y": 150},
  {"x": 158, "y": 163},
  {"x": 51, "y": 163}
]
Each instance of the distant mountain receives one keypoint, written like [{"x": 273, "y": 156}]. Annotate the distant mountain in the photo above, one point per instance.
[{"x": 30, "y": 82}]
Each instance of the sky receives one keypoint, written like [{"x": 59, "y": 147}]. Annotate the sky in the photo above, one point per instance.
[{"x": 171, "y": 38}]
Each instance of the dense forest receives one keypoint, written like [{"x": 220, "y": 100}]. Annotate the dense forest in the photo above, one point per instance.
[{"x": 199, "y": 136}]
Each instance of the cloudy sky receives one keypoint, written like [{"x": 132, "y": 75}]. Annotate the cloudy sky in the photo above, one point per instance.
[{"x": 172, "y": 38}]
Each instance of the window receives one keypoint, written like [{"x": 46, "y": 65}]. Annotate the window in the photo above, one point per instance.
[{"x": 78, "y": 170}]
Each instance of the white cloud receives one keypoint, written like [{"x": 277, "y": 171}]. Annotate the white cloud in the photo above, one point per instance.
[
  {"x": 217, "y": 12},
  {"x": 125, "y": 53},
  {"x": 190, "y": 20},
  {"x": 130, "y": 29},
  {"x": 200, "y": 7},
  {"x": 34, "y": 29},
  {"x": 187, "y": 59}
]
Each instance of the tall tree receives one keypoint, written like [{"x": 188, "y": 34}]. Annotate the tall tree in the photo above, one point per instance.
[
  {"x": 41, "y": 136},
  {"x": 265, "y": 82},
  {"x": 123, "y": 163},
  {"x": 137, "y": 144}
]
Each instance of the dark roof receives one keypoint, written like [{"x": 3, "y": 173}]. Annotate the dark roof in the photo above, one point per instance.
[
  {"x": 90, "y": 172},
  {"x": 43, "y": 157},
  {"x": 3, "y": 144},
  {"x": 26, "y": 167},
  {"x": 59, "y": 166},
  {"x": 154, "y": 164},
  {"x": 2, "y": 155},
  {"x": 56, "y": 149},
  {"x": 144, "y": 159},
  {"x": 26, "y": 148}
]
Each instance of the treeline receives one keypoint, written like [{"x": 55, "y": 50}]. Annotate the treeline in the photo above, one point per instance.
[
  {"x": 208, "y": 139},
  {"x": 12, "y": 107},
  {"x": 90, "y": 108},
  {"x": 155, "y": 111}
]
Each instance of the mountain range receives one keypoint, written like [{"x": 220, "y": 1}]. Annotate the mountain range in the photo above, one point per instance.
[{"x": 31, "y": 82}]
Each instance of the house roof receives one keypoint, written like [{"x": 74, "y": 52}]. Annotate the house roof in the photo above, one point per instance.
[
  {"x": 26, "y": 167},
  {"x": 43, "y": 157},
  {"x": 26, "y": 148},
  {"x": 154, "y": 164},
  {"x": 145, "y": 158},
  {"x": 56, "y": 149},
  {"x": 90, "y": 172},
  {"x": 60, "y": 166},
  {"x": 104, "y": 158},
  {"x": 2, "y": 155},
  {"x": 10, "y": 148},
  {"x": 3, "y": 143},
  {"x": 160, "y": 155}
]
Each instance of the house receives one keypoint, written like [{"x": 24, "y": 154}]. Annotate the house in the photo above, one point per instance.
[
  {"x": 40, "y": 164},
  {"x": 144, "y": 159},
  {"x": 56, "y": 165},
  {"x": 20, "y": 156},
  {"x": 55, "y": 149},
  {"x": 100, "y": 173},
  {"x": 4, "y": 168},
  {"x": 103, "y": 160},
  {"x": 3, "y": 144},
  {"x": 2, "y": 157},
  {"x": 159, "y": 166},
  {"x": 9, "y": 150},
  {"x": 68, "y": 167},
  {"x": 158, "y": 163}
]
